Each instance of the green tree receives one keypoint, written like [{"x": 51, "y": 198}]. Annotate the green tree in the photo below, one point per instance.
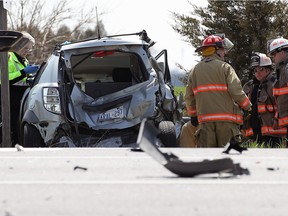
[{"x": 248, "y": 24}]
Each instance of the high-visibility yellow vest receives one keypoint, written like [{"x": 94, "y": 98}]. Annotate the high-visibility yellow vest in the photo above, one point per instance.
[{"x": 15, "y": 66}]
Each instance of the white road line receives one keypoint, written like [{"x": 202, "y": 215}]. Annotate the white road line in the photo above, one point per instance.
[
  {"x": 184, "y": 158},
  {"x": 176, "y": 182},
  {"x": 71, "y": 157}
]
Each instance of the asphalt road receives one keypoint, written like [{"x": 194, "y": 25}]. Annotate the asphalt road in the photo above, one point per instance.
[{"x": 117, "y": 181}]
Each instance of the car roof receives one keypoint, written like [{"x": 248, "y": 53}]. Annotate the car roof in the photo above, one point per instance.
[{"x": 103, "y": 42}]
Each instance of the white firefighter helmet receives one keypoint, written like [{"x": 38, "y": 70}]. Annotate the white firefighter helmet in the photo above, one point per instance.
[
  {"x": 276, "y": 45},
  {"x": 260, "y": 59}
]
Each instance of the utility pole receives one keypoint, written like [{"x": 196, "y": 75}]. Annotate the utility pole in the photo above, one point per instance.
[{"x": 5, "y": 91}]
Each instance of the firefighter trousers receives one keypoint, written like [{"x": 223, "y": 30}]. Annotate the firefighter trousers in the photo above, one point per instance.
[
  {"x": 187, "y": 136},
  {"x": 216, "y": 134}
]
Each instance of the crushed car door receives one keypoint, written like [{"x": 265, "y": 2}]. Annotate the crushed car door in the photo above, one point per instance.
[{"x": 162, "y": 59}]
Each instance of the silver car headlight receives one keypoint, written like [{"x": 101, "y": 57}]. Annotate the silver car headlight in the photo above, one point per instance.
[{"x": 51, "y": 100}]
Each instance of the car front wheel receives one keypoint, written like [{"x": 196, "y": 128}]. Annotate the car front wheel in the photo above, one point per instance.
[
  {"x": 167, "y": 134},
  {"x": 32, "y": 137}
]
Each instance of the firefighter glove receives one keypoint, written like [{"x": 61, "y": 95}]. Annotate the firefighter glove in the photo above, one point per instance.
[
  {"x": 31, "y": 69},
  {"x": 247, "y": 113}
]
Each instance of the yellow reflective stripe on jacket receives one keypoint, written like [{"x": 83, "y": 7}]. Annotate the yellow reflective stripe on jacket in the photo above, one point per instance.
[
  {"x": 249, "y": 132},
  {"x": 269, "y": 130},
  {"x": 210, "y": 87},
  {"x": 245, "y": 103},
  {"x": 266, "y": 130},
  {"x": 280, "y": 91},
  {"x": 283, "y": 121},
  {"x": 191, "y": 111},
  {"x": 265, "y": 108},
  {"x": 220, "y": 117}
]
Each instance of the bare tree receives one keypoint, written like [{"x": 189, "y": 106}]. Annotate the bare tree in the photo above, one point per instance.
[{"x": 48, "y": 24}]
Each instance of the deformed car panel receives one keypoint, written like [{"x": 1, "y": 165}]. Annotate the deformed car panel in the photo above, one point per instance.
[
  {"x": 141, "y": 105},
  {"x": 137, "y": 49},
  {"x": 147, "y": 141},
  {"x": 85, "y": 101}
]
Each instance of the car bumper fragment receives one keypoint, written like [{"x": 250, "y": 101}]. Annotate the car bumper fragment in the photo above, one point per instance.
[{"x": 147, "y": 138}]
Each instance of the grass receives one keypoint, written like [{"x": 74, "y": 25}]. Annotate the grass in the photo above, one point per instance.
[
  {"x": 248, "y": 143},
  {"x": 179, "y": 89},
  {"x": 254, "y": 144}
]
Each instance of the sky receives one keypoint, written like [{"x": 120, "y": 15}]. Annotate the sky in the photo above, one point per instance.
[
  {"x": 131, "y": 16},
  {"x": 127, "y": 16}
]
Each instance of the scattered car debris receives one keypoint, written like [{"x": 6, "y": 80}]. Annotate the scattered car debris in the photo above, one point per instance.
[
  {"x": 19, "y": 147},
  {"x": 136, "y": 149},
  {"x": 234, "y": 144},
  {"x": 80, "y": 168},
  {"x": 147, "y": 138},
  {"x": 272, "y": 168}
]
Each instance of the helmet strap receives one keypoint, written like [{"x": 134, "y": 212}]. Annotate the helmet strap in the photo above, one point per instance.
[{"x": 208, "y": 51}]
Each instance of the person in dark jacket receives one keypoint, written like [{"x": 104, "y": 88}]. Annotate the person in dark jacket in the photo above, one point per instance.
[
  {"x": 278, "y": 50},
  {"x": 259, "y": 125}
]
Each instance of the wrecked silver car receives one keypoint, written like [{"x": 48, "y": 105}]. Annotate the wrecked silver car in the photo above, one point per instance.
[{"x": 95, "y": 93}]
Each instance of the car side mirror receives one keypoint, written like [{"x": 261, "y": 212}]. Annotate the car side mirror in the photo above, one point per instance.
[{"x": 30, "y": 80}]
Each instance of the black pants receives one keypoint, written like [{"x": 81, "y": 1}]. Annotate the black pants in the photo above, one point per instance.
[{"x": 16, "y": 93}]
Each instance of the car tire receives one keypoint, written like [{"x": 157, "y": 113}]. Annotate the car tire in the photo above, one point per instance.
[
  {"x": 167, "y": 134},
  {"x": 32, "y": 137}
]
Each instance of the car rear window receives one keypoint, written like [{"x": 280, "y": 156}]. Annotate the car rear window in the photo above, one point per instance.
[
  {"x": 105, "y": 72},
  {"x": 106, "y": 66}
]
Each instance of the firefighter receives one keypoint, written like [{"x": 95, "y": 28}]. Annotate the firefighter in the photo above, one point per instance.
[
  {"x": 214, "y": 95},
  {"x": 187, "y": 138},
  {"x": 259, "y": 125},
  {"x": 278, "y": 50}
]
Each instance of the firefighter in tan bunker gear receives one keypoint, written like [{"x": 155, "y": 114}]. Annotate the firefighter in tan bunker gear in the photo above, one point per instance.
[
  {"x": 187, "y": 138},
  {"x": 214, "y": 95},
  {"x": 278, "y": 50},
  {"x": 259, "y": 125}
]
